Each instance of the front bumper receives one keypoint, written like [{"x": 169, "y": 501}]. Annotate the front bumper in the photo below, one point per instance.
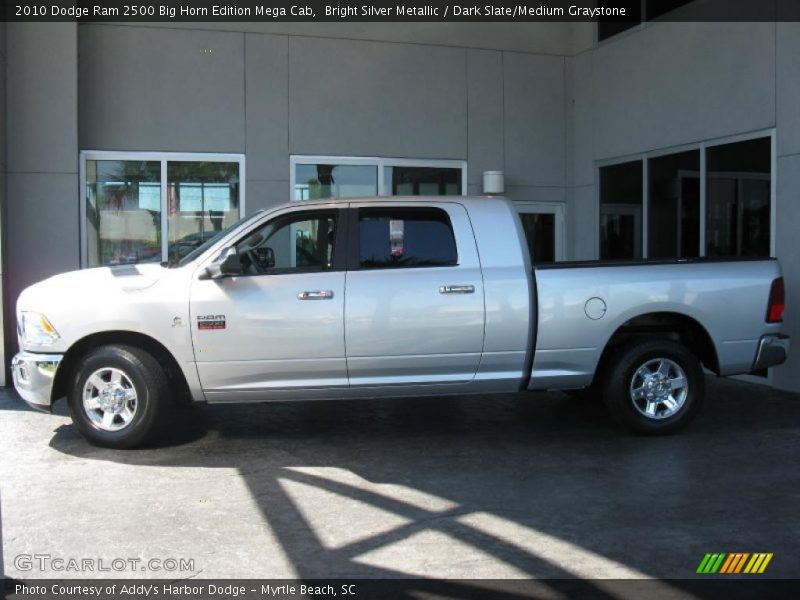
[
  {"x": 33, "y": 377},
  {"x": 772, "y": 350}
]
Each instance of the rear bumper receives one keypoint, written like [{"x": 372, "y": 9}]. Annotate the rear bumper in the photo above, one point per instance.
[
  {"x": 772, "y": 351},
  {"x": 33, "y": 377}
]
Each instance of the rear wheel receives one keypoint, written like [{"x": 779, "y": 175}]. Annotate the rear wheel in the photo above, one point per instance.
[
  {"x": 117, "y": 396},
  {"x": 654, "y": 386}
]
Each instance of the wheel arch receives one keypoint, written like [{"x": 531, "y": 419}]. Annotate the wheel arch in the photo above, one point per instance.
[
  {"x": 177, "y": 380},
  {"x": 662, "y": 325}
]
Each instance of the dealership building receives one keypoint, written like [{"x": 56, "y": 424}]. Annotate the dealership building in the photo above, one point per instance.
[{"x": 126, "y": 142}]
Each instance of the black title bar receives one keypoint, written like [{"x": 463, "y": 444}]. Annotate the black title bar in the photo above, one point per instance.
[{"x": 402, "y": 10}]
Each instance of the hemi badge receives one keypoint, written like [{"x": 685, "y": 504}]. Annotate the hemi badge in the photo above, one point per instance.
[{"x": 211, "y": 322}]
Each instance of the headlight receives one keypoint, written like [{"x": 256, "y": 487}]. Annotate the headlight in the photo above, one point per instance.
[{"x": 36, "y": 330}]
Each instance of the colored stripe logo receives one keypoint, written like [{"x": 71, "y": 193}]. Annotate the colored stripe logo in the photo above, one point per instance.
[{"x": 735, "y": 562}]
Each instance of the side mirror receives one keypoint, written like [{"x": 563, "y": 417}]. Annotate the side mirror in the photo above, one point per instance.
[
  {"x": 229, "y": 264},
  {"x": 232, "y": 265}
]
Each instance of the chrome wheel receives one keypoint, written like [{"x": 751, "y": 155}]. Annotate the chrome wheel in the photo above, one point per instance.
[
  {"x": 659, "y": 388},
  {"x": 109, "y": 399}
]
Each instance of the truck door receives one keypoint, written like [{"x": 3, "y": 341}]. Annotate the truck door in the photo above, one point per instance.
[
  {"x": 414, "y": 312},
  {"x": 279, "y": 327}
]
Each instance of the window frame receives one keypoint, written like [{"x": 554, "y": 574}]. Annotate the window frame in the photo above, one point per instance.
[
  {"x": 163, "y": 158},
  {"x": 702, "y": 147},
  {"x": 354, "y": 239},
  {"x": 380, "y": 163}
]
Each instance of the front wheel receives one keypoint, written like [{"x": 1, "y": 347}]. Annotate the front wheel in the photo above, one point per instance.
[
  {"x": 117, "y": 396},
  {"x": 654, "y": 386}
]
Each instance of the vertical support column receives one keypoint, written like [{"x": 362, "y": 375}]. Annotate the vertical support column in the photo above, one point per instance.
[
  {"x": 41, "y": 224},
  {"x": 3, "y": 164}
]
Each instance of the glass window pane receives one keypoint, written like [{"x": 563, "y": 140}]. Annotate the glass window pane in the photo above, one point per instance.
[
  {"x": 674, "y": 209},
  {"x": 123, "y": 211},
  {"x": 656, "y": 8},
  {"x": 335, "y": 181},
  {"x": 540, "y": 233},
  {"x": 738, "y": 198},
  {"x": 203, "y": 199},
  {"x": 421, "y": 181},
  {"x": 621, "y": 211},
  {"x": 405, "y": 237},
  {"x": 291, "y": 243}
]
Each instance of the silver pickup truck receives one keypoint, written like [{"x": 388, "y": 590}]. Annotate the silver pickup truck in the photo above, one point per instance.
[{"x": 388, "y": 297}]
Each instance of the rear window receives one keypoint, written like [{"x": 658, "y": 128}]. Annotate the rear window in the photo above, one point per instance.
[{"x": 392, "y": 238}]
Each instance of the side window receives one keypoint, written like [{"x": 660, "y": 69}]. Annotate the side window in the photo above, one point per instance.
[
  {"x": 293, "y": 243},
  {"x": 405, "y": 237}
]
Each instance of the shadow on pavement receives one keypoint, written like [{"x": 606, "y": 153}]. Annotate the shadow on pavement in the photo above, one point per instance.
[{"x": 541, "y": 482}]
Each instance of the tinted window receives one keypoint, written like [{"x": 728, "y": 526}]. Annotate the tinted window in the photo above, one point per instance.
[
  {"x": 656, "y": 8},
  {"x": 405, "y": 237},
  {"x": 674, "y": 209},
  {"x": 738, "y": 198},
  {"x": 621, "y": 211}
]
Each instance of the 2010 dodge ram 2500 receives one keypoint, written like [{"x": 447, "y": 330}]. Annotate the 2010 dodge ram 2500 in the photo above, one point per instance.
[{"x": 388, "y": 297}]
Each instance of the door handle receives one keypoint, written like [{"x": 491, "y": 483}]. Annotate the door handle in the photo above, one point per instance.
[
  {"x": 315, "y": 295},
  {"x": 457, "y": 289}
]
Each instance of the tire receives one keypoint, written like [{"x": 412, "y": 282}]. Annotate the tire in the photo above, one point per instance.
[
  {"x": 654, "y": 387},
  {"x": 118, "y": 396}
]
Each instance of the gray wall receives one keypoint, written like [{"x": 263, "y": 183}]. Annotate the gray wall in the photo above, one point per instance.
[
  {"x": 42, "y": 154},
  {"x": 541, "y": 102},
  {"x": 3, "y": 301},
  {"x": 270, "y": 95},
  {"x": 670, "y": 84}
]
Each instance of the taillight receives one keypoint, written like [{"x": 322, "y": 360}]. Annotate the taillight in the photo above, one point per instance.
[{"x": 776, "y": 301}]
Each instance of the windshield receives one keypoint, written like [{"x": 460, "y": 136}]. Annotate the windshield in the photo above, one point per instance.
[{"x": 207, "y": 243}]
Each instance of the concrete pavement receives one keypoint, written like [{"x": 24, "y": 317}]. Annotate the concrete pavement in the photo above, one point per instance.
[{"x": 530, "y": 485}]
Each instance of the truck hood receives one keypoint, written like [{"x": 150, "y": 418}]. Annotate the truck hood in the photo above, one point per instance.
[{"x": 81, "y": 285}]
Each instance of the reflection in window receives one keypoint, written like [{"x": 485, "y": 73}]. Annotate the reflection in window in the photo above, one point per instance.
[
  {"x": 621, "y": 211},
  {"x": 295, "y": 242},
  {"x": 674, "y": 209},
  {"x": 738, "y": 198},
  {"x": 335, "y": 181},
  {"x": 421, "y": 181},
  {"x": 123, "y": 211},
  {"x": 405, "y": 237},
  {"x": 203, "y": 199}
]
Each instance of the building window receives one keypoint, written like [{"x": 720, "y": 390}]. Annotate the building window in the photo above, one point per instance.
[
  {"x": 314, "y": 177},
  {"x": 323, "y": 180},
  {"x": 621, "y": 211},
  {"x": 738, "y": 198},
  {"x": 673, "y": 219},
  {"x": 657, "y": 8},
  {"x": 143, "y": 207},
  {"x": 733, "y": 217},
  {"x": 123, "y": 211},
  {"x": 636, "y": 11},
  {"x": 421, "y": 181}
]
